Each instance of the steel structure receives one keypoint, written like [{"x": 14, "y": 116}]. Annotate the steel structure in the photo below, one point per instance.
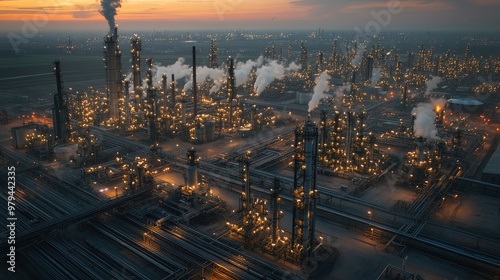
[
  {"x": 304, "y": 189},
  {"x": 113, "y": 67}
]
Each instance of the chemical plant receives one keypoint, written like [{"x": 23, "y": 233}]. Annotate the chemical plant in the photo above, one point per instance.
[{"x": 303, "y": 163}]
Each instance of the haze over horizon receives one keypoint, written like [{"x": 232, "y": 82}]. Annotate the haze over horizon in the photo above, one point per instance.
[{"x": 426, "y": 15}]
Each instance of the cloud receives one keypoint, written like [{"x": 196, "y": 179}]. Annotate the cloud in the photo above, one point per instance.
[
  {"x": 85, "y": 11},
  {"x": 420, "y": 14}
]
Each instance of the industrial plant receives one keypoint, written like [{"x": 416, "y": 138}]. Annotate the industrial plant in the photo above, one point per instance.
[{"x": 319, "y": 155}]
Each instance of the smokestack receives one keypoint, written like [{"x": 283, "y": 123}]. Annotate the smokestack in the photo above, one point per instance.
[
  {"x": 57, "y": 65},
  {"x": 151, "y": 99},
  {"x": 172, "y": 104},
  {"x": 127, "y": 100},
  {"x": 164, "y": 88},
  {"x": 230, "y": 89},
  {"x": 457, "y": 141},
  {"x": 348, "y": 144},
  {"x": 231, "y": 78},
  {"x": 60, "y": 113},
  {"x": 192, "y": 169},
  {"x": 195, "y": 93},
  {"x": 324, "y": 136}
]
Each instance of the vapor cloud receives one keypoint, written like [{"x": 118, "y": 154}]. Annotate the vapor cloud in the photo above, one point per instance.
[
  {"x": 322, "y": 85},
  {"x": 432, "y": 84}
]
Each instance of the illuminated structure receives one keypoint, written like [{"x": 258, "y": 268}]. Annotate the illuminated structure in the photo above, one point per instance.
[
  {"x": 334, "y": 57},
  {"x": 192, "y": 170},
  {"x": 195, "y": 86},
  {"x": 137, "y": 174},
  {"x": 113, "y": 67},
  {"x": 212, "y": 56},
  {"x": 127, "y": 105},
  {"x": 304, "y": 189},
  {"x": 231, "y": 91},
  {"x": 320, "y": 62},
  {"x": 152, "y": 108},
  {"x": 277, "y": 214},
  {"x": 135, "y": 53},
  {"x": 60, "y": 112}
]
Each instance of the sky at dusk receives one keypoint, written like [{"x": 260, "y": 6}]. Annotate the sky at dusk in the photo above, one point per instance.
[{"x": 467, "y": 15}]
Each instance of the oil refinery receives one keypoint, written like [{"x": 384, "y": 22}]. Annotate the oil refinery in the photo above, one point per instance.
[{"x": 320, "y": 155}]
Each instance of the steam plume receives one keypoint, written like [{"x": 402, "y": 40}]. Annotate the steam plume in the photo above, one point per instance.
[
  {"x": 268, "y": 73},
  {"x": 425, "y": 118},
  {"x": 432, "y": 84},
  {"x": 321, "y": 86},
  {"x": 376, "y": 76},
  {"x": 216, "y": 87},
  {"x": 179, "y": 69},
  {"x": 356, "y": 60},
  {"x": 339, "y": 92},
  {"x": 203, "y": 73},
  {"x": 243, "y": 70},
  {"x": 109, "y": 12}
]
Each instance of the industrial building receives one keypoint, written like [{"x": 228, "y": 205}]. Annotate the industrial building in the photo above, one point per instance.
[{"x": 258, "y": 169}]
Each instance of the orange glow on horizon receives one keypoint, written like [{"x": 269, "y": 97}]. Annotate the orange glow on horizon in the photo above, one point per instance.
[{"x": 132, "y": 10}]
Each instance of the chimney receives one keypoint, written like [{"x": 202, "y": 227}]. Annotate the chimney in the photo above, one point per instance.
[
  {"x": 195, "y": 94},
  {"x": 172, "y": 106}
]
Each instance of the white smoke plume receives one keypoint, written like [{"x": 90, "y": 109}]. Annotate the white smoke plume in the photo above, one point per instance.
[
  {"x": 216, "y": 87},
  {"x": 356, "y": 60},
  {"x": 268, "y": 73},
  {"x": 432, "y": 84},
  {"x": 322, "y": 85},
  {"x": 243, "y": 69},
  {"x": 339, "y": 92},
  {"x": 179, "y": 69},
  {"x": 441, "y": 102},
  {"x": 377, "y": 73},
  {"x": 293, "y": 67},
  {"x": 424, "y": 122},
  {"x": 202, "y": 74},
  {"x": 109, "y": 12}
]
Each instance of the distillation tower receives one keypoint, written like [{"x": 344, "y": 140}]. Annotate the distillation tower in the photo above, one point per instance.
[
  {"x": 113, "y": 67},
  {"x": 60, "y": 112},
  {"x": 304, "y": 189}
]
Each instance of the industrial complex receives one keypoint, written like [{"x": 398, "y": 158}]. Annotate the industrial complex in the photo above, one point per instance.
[{"x": 351, "y": 161}]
